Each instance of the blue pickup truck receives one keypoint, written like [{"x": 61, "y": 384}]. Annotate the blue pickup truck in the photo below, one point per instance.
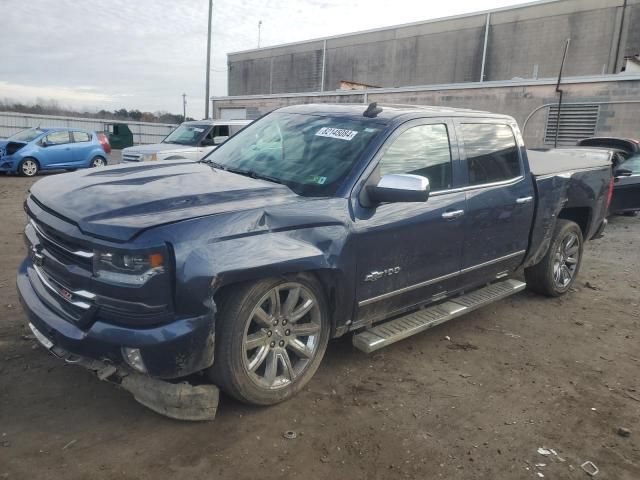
[{"x": 312, "y": 222}]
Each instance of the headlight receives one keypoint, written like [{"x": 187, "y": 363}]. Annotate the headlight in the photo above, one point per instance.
[
  {"x": 130, "y": 269},
  {"x": 149, "y": 157}
]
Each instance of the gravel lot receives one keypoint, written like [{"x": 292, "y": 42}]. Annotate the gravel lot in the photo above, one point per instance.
[{"x": 525, "y": 373}]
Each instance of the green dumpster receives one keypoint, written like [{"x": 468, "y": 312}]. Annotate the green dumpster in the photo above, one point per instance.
[{"x": 119, "y": 135}]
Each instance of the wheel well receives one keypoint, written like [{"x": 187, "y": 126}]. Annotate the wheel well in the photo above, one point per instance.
[
  {"x": 31, "y": 158},
  {"x": 327, "y": 278},
  {"x": 579, "y": 215}
]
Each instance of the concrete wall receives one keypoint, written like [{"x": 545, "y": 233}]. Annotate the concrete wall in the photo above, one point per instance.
[
  {"x": 518, "y": 99},
  {"x": 521, "y": 40}
]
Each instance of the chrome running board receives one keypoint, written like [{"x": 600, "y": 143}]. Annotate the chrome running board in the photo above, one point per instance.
[{"x": 383, "y": 334}]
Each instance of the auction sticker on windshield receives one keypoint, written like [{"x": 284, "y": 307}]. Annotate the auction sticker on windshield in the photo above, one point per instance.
[{"x": 339, "y": 133}]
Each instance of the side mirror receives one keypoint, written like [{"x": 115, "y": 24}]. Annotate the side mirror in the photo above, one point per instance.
[
  {"x": 622, "y": 172},
  {"x": 220, "y": 139},
  {"x": 401, "y": 187},
  {"x": 208, "y": 142},
  {"x": 44, "y": 143}
]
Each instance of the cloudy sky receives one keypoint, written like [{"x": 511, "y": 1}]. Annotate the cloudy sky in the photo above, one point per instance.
[{"x": 144, "y": 54}]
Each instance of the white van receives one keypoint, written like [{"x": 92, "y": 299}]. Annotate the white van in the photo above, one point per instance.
[{"x": 190, "y": 141}]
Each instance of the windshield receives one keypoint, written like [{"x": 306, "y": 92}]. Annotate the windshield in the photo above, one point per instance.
[
  {"x": 187, "y": 134},
  {"x": 311, "y": 154},
  {"x": 632, "y": 163},
  {"x": 26, "y": 135}
]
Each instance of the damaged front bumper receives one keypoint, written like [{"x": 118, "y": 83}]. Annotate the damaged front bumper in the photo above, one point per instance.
[
  {"x": 181, "y": 401},
  {"x": 167, "y": 352},
  {"x": 7, "y": 165}
]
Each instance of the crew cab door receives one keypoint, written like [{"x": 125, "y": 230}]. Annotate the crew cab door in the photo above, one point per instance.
[
  {"x": 500, "y": 199},
  {"x": 409, "y": 252}
]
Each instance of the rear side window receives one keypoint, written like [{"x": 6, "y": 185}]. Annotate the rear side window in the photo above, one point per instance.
[
  {"x": 221, "y": 131},
  {"x": 81, "y": 136},
  {"x": 422, "y": 150},
  {"x": 492, "y": 153}
]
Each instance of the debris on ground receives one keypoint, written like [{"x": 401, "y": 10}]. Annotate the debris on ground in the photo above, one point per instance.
[
  {"x": 462, "y": 346},
  {"x": 544, "y": 451},
  {"x": 590, "y": 468},
  {"x": 624, "y": 432},
  {"x": 290, "y": 435},
  {"x": 69, "y": 444},
  {"x": 590, "y": 286}
]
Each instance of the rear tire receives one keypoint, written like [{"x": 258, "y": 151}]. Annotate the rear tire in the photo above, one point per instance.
[
  {"x": 28, "y": 167},
  {"x": 98, "y": 161},
  {"x": 271, "y": 336},
  {"x": 557, "y": 271}
]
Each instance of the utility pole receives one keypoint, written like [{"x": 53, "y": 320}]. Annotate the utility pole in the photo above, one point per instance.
[
  {"x": 206, "y": 89},
  {"x": 184, "y": 107},
  {"x": 259, "y": 31}
]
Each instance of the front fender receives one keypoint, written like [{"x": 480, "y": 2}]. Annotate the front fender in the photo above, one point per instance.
[{"x": 320, "y": 250}]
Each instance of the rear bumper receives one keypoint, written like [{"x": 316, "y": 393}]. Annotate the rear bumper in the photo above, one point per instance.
[{"x": 173, "y": 350}]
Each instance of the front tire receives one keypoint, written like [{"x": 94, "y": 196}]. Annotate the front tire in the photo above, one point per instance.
[
  {"x": 557, "y": 271},
  {"x": 28, "y": 167},
  {"x": 271, "y": 336}
]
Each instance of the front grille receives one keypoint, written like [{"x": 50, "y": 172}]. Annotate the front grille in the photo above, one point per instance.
[
  {"x": 62, "y": 249},
  {"x": 131, "y": 157},
  {"x": 76, "y": 306}
]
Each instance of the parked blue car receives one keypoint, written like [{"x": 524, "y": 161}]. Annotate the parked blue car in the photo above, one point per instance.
[{"x": 29, "y": 151}]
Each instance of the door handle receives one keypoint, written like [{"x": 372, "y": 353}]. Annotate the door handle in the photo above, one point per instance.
[
  {"x": 524, "y": 199},
  {"x": 453, "y": 214}
]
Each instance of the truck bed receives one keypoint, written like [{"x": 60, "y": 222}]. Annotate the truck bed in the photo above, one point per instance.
[
  {"x": 575, "y": 180},
  {"x": 560, "y": 160}
]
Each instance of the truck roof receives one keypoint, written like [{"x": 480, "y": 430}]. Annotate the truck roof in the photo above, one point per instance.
[
  {"x": 209, "y": 121},
  {"x": 389, "y": 112}
]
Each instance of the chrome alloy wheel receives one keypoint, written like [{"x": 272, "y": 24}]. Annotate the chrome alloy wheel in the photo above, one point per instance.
[
  {"x": 282, "y": 335},
  {"x": 566, "y": 260},
  {"x": 29, "y": 168},
  {"x": 98, "y": 162}
]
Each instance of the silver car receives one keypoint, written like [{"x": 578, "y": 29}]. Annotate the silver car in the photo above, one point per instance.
[{"x": 190, "y": 141}]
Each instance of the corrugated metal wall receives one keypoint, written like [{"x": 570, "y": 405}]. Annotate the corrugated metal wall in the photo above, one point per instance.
[{"x": 143, "y": 133}]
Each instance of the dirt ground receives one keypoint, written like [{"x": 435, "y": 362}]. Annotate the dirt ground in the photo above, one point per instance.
[{"x": 524, "y": 373}]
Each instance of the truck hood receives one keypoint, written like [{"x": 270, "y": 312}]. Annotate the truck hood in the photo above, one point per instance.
[
  {"x": 157, "y": 148},
  {"x": 119, "y": 202}
]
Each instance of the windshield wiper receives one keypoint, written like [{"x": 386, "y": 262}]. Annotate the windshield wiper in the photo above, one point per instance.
[
  {"x": 213, "y": 164},
  {"x": 244, "y": 173},
  {"x": 250, "y": 174}
]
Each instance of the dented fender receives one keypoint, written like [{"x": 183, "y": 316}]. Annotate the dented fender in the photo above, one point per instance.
[{"x": 220, "y": 250}]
